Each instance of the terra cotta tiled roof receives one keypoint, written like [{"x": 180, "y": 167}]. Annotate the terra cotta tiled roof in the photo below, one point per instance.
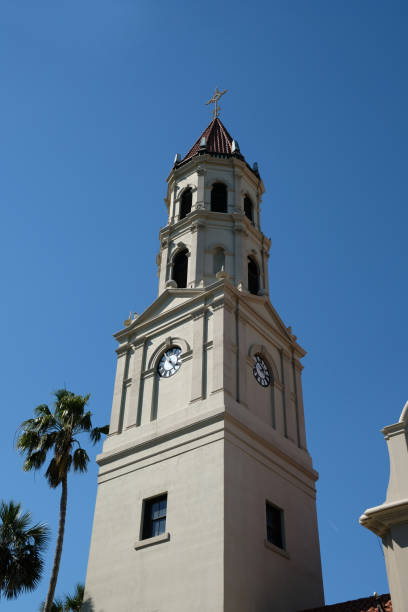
[
  {"x": 366, "y": 604},
  {"x": 217, "y": 138}
]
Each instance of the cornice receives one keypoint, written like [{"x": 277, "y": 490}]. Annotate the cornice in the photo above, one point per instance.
[
  {"x": 381, "y": 519},
  {"x": 152, "y": 441},
  {"x": 202, "y": 161},
  {"x": 199, "y": 299},
  {"x": 282, "y": 331}
]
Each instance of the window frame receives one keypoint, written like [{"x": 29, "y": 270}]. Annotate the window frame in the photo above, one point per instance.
[
  {"x": 147, "y": 522},
  {"x": 280, "y": 543}
]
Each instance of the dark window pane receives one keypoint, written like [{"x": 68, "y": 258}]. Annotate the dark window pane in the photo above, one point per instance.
[
  {"x": 155, "y": 511},
  {"x": 185, "y": 204},
  {"x": 274, "y": 525},
  {"x": 156, "y": 528},
  {"x": 253, "y": 276},
  {"x": 248, "y": 209},
  {"x": 180, "y": 265},
  {"x": 219, "y": 198}
]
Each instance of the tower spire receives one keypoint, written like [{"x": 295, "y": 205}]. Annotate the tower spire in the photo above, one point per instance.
[{"x": 214, "y": 100}]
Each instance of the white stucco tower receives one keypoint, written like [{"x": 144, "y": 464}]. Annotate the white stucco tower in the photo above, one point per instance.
[{"x": 206, "y": 491}]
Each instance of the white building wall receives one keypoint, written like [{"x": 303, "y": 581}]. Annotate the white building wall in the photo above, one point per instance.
[
  {"x": 184, "y": 573},
  {"x": 258, "y": 576}
]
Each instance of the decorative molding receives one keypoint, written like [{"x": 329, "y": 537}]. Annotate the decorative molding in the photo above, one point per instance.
[
  {"x": 201, "y": 171},
  {"x": 139, "y": 342},
  {"x": 382, "y": 518},
  {"x": 123, "y": 349},
  {"x": 163, "y": 537},
  {"x": 170, "y": 341},
  {"x": 276, "y": 549}
]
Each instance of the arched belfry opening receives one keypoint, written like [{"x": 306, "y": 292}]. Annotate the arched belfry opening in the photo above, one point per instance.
[
  {"x": 185, "y": 203},
  {"x": 249, "y": 209},
  {"x": 219, "y": 198},
  {"x": 253, "y": 276},
  {"x": 179, "y": 268}
]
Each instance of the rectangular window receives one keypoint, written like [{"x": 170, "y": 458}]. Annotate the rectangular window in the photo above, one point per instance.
[
  {"x": 274, "y": 526},
  {"x": 154, "y": 516}
]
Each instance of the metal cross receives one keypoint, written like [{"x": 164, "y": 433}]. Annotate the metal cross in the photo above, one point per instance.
[{"x": 214, "y": 100}]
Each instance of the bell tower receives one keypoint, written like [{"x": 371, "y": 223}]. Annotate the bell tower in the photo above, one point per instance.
[{"x": 206, "y": 491}]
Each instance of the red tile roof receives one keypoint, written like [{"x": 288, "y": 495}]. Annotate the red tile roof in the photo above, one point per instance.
[
  {"x": 366, "y": 604},
  {"x": 217, "y": 138}
]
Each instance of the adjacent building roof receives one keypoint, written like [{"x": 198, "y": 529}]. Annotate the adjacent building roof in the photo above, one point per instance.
[
  {"x": 217, "y": 138},
  {"x": 375, "y": 603}
]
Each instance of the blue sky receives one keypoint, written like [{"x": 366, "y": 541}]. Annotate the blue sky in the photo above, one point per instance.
[{"x": 96, "y": 99}]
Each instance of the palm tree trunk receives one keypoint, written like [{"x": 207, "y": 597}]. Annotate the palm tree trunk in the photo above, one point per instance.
[{"x": 58, "y": 549}]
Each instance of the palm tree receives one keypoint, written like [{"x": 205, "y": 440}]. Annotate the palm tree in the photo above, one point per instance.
[
  {"x": 21, "y": 548},
  {"x": 56, "y": 431},
  {"x": 71, "y": 603},
  {"x": 56, "y": 606}
]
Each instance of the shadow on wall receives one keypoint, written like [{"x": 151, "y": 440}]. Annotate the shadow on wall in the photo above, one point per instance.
[
  {"x": 401, "y": 536},
  {"x": 88, "y": 606}
]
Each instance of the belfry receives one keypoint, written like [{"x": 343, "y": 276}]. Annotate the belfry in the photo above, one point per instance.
[{"x": 206, "y": 491}]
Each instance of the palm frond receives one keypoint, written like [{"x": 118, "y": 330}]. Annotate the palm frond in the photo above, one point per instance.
[
  {"x": 97, "y": 432},
  {"x": 28, "y": 441},
  {"x": 60, "y": 395},
  {"x": 84, "y": 423},
  {"x": 56, "y": 606},
  {"x": 57, "y": 469},
  {"x": 21, "y": 549},
  {"x": 34, "y": 460},
  {"x": 80, "y": 460},
  {"x": 42, "y": 411},
  {"x": 74, "y": 602}
]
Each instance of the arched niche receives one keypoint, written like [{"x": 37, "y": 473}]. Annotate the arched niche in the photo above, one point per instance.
[{"x": 218, "y": 259}]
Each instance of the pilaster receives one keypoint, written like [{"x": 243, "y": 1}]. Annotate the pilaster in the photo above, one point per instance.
[
  {"x": 201, "y": 174},
  {"x": 132, "y": 417},
  {"x": 300, "y": 410},
  {"x": 218, "y": 346},
  {"x": 164, "y": 263},
  {"x": 197, "y": 391},
  {"x": 196, "y": 261},
  {"x": 122, "y": 363}
]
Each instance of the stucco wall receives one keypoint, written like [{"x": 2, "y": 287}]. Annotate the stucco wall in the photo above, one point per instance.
[
  {"x": 182, "y": 574},
  {"x": 258, "y": 578}
]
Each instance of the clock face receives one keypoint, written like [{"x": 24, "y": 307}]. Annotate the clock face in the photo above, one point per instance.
[
  {"x": 261, "y": 371},
  {"x": 170, "y": 362}
]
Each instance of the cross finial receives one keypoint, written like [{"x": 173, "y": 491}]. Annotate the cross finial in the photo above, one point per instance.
[{"x": 214, "y": 100}]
